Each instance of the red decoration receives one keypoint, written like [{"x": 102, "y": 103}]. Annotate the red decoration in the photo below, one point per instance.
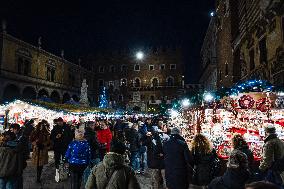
[
  {"x": 246, "y": 102},
  {"x": 262, "y": 104}
]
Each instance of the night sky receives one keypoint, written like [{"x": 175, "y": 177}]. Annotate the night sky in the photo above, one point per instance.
[{"x": 85, "y": 27}]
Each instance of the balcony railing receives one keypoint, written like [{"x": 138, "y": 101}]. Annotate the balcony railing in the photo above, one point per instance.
[
  {"x": 149, "y": 88},
  {"x": 29, "y": 79}
]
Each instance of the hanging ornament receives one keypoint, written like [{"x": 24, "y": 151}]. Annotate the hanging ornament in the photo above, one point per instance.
[
  {"x": 246, "y": 102},
  {"x": 262, "y": 104},
  {"x": 228, "y": 103}
]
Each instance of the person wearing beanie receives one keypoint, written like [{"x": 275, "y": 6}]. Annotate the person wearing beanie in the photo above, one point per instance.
[
  {"x": 272, "y": 157},
  {"x": 178, "y": 161},
  {"x": 78, "y": 156},
  {"x": 112, "y": 172},
  {"x": 236, "y": 175},
  {"x": 61, "y": 135}
]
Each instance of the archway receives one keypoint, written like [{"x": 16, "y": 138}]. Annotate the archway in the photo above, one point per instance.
[
  {"x": 55, "y": 97},
  {"x": 137, "y": 82},
  {"x": 75, "y": 98},
  {"x": 11, "y": 92},
  {"x": 29, "y": 93},
  {"x": 66, "y": 98},
  {"x": 155, "y": 82},
  {"x": 170, "y": 81},
  {"x": 43, "y": 93}
]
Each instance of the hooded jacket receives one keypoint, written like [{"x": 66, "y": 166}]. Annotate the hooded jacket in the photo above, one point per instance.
[
  {"x": 112, "y": 173},
  {"x": 273, "y": 150}
]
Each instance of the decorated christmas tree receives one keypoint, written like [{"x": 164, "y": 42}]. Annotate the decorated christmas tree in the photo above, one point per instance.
[{"x": 103, "y": 99}]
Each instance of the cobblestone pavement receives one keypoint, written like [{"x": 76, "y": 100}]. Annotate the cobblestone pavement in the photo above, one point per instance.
[{"x": 48, "y": 182}]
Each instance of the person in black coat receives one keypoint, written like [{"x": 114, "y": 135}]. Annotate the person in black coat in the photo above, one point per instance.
[
  {"x": 61, "y": 135},
  {"x": 236, "y": 175},
  {"x": 155, "y": 157},
  {"x": 239, "y": 143},
  {"x": 178, "y": 161},
  {"x": 134, "y": 147},
  {"x": 91, "y": 136}
]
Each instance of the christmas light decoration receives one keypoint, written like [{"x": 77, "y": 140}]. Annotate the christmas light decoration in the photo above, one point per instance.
[{"x": 103, "y": 99}]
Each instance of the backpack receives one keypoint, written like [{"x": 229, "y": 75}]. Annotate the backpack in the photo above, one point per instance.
[{"x": 8, "y": 162}]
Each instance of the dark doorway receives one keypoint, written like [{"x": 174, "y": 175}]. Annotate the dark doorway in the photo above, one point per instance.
[
  {"x": 66, "y": 98},
  {"x": 43, "y": 93},
  {"x": 29, "y": 93},
  {"x": 11, "y": 92},
  {"x": 75, "y": 98},
  {"x": 55, "y": 97}
]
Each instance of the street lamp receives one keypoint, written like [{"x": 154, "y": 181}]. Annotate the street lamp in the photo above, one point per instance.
[
  {"x": 208, "y": 97},
  {"x": 185, "y": 103},
  {"x": 212, "y": 13},
  {"x": 139, "y": 55}
]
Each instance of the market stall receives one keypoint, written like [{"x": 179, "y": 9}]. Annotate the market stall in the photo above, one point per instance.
[{"x": 246, "y": 114}]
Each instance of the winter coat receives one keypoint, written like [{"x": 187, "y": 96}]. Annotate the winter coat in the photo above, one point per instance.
[
  {"x": 154, "y": 151},
  {"x": 78, "y": 152},
  {"x": 112, "y": 173},
  {"x": 232, "y": 179},
  {"x": 204, "y": 165},
  {"x": 134, "y": 141},
  {"x": 273, "y": 150},
  {"x": 61, "y": 144},
  {"x": 245, "y": 149},
  {"x": 105, "y": 136},
  {"x": 178, "y": 159},
  {"x": 143, "y": 129},
  {"x": 91, "y": 136},
  {"x": 41, "y": 144},
  {"x": 11, "y": 161},
  {"x": 118, "y": 131}
]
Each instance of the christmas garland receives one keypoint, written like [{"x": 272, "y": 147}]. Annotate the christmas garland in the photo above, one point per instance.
[{"x": 246, "y": 102}]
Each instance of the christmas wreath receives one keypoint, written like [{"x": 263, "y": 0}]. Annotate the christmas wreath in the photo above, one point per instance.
[{"x": 246, "y": 102}]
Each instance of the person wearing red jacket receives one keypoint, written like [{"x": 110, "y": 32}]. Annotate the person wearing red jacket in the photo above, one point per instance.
[{"x": 104, "y": 136}]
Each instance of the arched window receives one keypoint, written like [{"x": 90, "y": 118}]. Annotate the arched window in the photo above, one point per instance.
[
  {"x": 137, "y": 82},
  {"x": 123, "y": 82},
  {"x": 170, "y": 81},
  {"x": 101, "y": 83},
  {"x": 120, "y": 98},
  {"x": 137, "y": 67},
  {"x": 155, "y": 82},
  {"x": 123, "y": 68},
  {"x": 24, "y": 61},
  {"x": 112, "y": 69},
  {"x": 101, "y": 69}
]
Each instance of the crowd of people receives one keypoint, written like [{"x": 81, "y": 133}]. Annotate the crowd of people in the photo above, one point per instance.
[{"x": 111, "y": 153}]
